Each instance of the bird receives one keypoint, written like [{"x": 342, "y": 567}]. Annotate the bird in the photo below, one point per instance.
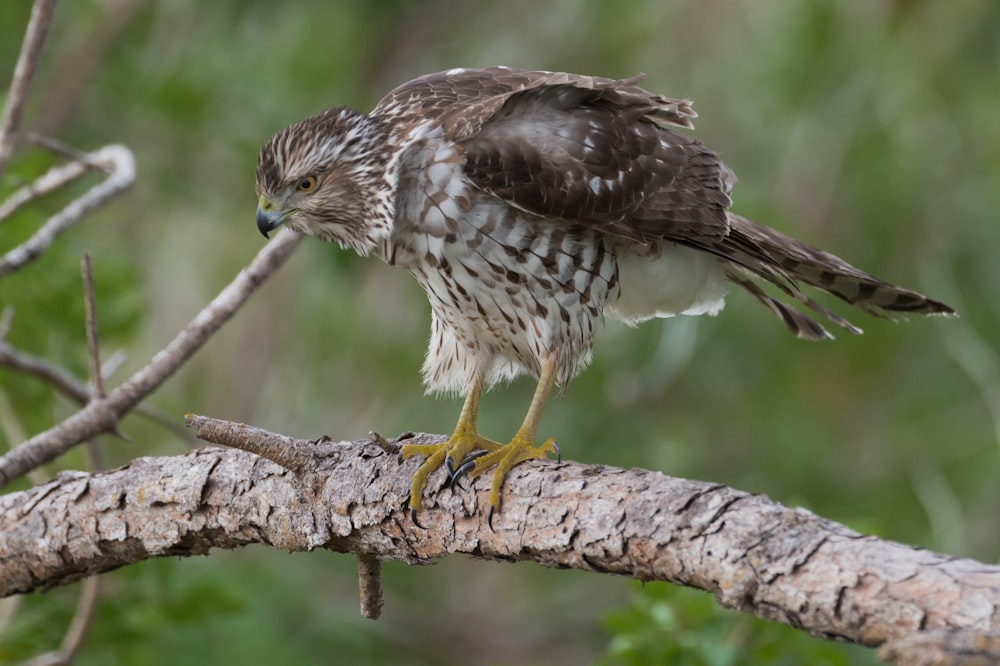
[{"x": 530, "y": 206}]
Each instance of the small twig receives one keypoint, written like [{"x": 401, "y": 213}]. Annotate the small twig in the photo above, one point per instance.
[
  {"x": 122, "y": 175},
  {"x": 102, "y": 416},
  {"x": 384, "y": 444},
  {"x": 112, "y": 364},
  {"x": 93, "y": 344},
  {"x": 60, "y": 148},
  {"x": 71, "y": 387},
  {"x": 59, "y": 379},
  {"x": 48, "y": 182},
  {"x": 73, "y": 63},
  {"x": 370, "y": 586},
  {"x": 286, "y": 451},
  {"x": 27, "y": 63},
  {"x": 8, "y": 609},
  {"x": 6, "y": 317},
  {"x": 86, "y": 605}
]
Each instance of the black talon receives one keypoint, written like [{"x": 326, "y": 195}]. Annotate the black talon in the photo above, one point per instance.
[
  {"x": 489, "y": 518},
  {"x": 555, "y": 445},
  {"x": 413, "y": 517},
  {"x": 454, "y": 473},
  {"x": 462, "y": 470}
]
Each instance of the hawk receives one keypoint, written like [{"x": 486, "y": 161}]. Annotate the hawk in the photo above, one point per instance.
[{"x": 529, "y": 205}]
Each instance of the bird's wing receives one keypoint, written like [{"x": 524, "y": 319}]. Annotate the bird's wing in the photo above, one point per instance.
[
  {"x": 582, "y": 148},
  {"x": 594, "y": 150}
]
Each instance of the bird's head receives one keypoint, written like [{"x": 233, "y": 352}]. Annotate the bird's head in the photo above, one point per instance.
[{"x": 322, "y": 177}]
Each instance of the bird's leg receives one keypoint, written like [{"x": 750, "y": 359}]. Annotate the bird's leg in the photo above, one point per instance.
[
  {"x": 522, "y": 447},
  {"x": 465, "y": 438}
]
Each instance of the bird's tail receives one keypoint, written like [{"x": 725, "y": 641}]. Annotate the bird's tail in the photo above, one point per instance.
[{"x": 753, "y": 250}]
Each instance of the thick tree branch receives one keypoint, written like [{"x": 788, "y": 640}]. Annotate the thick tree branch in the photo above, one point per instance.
[
  {"x": 102, "y": 416},
  {"x": 753, "y": 554}
]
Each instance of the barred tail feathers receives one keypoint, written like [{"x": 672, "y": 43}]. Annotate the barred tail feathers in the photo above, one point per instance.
[{"x": 759, "y": 251}]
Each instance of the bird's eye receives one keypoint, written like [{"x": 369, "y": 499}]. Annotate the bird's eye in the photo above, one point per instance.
[{"x": 306, "y": 184}]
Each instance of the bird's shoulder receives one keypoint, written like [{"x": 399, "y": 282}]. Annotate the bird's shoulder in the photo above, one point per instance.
[{"x": 463, "y": 99}]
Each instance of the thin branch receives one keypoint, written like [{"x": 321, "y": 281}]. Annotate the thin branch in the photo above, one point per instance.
[
  {"x": 64, "y": 149},
  {"x": 85, "y": 608},
  {"x": 68, "y": 385},
  {"x": 93, "y": 343},
  {"x": 59, "y": 379},
  {"x": 6, "y": 317},
  {"x": 27, "y": 62},
  {"x": 48, "y": 182},
  {"x": 122, "y": 174},
  {"x": 370, "y": 586},
  {"x": 102, "y": 416},
  {"x": 753, "y": 554},
  {"x": 74, "y": 61}
]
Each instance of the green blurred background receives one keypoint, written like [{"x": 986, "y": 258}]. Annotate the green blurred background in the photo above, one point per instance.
[{"x": 871, "y": 129}]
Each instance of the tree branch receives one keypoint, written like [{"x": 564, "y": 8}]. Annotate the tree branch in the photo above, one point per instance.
[
  {"x": 102, "y": 416},
  {"x": 24, "y": 71},
  {"x": 68, "y": 385},
  {"x": 753, "y": 554},
  {"x": 121, "y": 174},
  {"x": 48, "y": 182},
  {"x": 93, "y": 338}
]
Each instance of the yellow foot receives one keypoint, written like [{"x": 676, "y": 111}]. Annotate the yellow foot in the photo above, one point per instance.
[
  {"x": 449, "y": 453},
  {"x": 521, "y": 448}
]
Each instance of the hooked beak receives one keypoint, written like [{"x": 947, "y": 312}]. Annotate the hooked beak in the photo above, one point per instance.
[{"x": 268, "y": 218}]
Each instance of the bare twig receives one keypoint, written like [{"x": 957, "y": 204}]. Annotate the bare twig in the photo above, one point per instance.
[
  {"x": 70, "y": 386},
  {"x": 8, "y": 610},
  {"x": 6, "y": 317},
  {"x": 74, "y": 61},
  {"x": 753, "y": 554},
  {"x": 60, "y": 148},
  {"x": 102, "y": 416},
  {"x": 48, "y": 182},
  {"x": 122, "y": 174},
  {"x": 85, "y": 608},
  {"x": 59, "y": 379},
  {"x": 370, "y": 586},
  {"x": 27, "y": 62},
  {"x": 93, "y": 344}
]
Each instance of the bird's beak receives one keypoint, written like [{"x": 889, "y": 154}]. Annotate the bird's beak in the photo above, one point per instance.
[{"x": 269, "y": 218}]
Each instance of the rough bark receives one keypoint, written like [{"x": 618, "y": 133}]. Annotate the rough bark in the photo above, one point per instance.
[{"x": 753, "y": 554}]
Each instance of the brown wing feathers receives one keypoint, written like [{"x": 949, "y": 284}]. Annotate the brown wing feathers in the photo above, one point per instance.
[{"x": 594, "y": 157}]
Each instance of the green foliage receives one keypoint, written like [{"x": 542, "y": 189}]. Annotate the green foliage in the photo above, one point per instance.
[
  {"x": 866, "y": 128},
  {"x": 668, "y": 625}
]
